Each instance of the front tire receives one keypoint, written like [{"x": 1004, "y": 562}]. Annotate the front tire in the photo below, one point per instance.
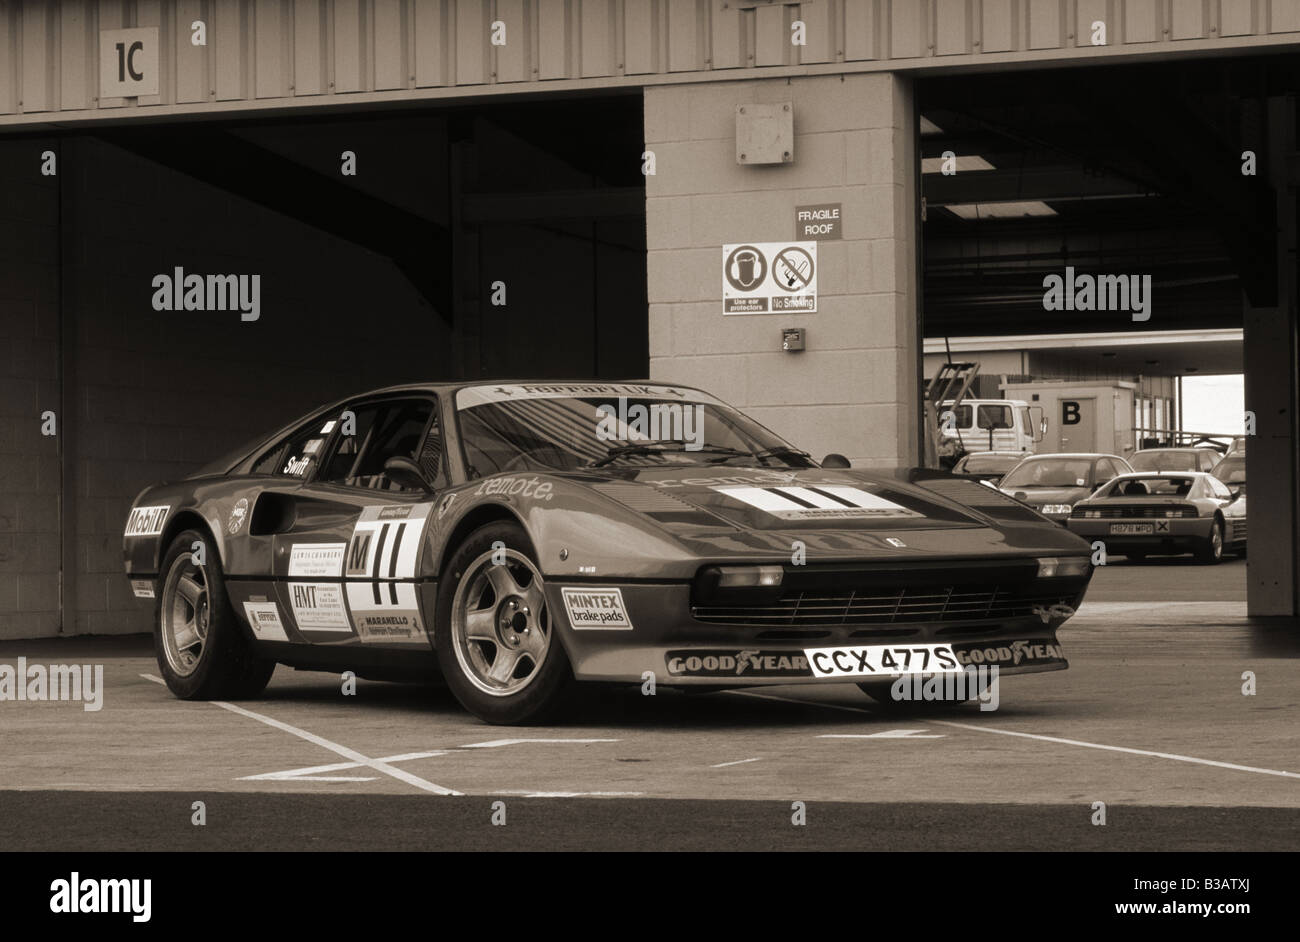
[
  {"x": 497, "y": 643},
  {"x": 1211, "y": 552},
  {"x": 202, "y": 653}
]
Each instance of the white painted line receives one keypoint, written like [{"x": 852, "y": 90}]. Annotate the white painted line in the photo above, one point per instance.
[
  {"x": 1137, "y": 752},
  {"x": 314, "y": 773},
  {"x": 377, "y": 764},
  {"x": 723, "y": 765},
  {"x": 1069, "y": 742},
  {"x": 528, "y": 794},
  {"x": 314, "y": 778},
  {"x": 887, "y": 734},
  {"x": 495, "y": 743}
]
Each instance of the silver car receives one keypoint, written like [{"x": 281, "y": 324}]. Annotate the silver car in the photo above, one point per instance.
[{"x": 1164, "y": 513}]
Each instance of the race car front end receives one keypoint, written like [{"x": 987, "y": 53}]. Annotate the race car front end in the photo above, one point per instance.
[{"x": 778, "y": 623}]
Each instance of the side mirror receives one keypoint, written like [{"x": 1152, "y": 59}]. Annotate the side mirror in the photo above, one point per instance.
[
  {"x": 835, "y": 460},
  {"x": 406, "y": 473},
  {"x": 1236, "y": 492}
]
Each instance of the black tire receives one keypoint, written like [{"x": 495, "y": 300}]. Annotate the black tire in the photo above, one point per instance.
[
  {"x": 1210, "y": 553},
  {"x": 225, "y": 666},
  {"x": 514, "y": 624}
]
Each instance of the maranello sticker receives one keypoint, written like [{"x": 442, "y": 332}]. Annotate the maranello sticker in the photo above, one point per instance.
[
  {"x": 596, "y": 609},
  {"x": 146, "y": 521},
  {"x": 264, "y": 619},
  {"x": 817, "y": 502},
  {"x": 316, "y": 559}
]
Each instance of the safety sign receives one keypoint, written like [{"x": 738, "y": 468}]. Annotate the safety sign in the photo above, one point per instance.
[{"x": 769, "y": 278}]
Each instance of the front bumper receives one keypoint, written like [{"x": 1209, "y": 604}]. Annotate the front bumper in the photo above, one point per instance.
[{"x": 658, "y": 633}]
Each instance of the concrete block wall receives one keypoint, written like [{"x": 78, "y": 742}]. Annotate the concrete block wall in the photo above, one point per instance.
[
  {"x": 855, "y": 390},
  {"x": 29, "y": 326}
]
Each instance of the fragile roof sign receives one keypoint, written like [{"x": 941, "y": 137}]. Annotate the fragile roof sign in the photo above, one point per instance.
[
  {"x": 820, "y": 222},
  {"x": 769, "y": 278}
]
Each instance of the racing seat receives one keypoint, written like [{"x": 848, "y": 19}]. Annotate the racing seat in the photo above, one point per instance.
[{"x": 1135, "y": 489}]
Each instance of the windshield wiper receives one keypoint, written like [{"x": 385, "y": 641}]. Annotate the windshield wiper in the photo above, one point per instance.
[
  {"x": 655, "y": 448},
  {"x": 779, "y": 451}
]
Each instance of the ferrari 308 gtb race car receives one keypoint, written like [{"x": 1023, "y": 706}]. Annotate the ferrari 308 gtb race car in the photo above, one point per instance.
[{"x": 520, "y": 536}]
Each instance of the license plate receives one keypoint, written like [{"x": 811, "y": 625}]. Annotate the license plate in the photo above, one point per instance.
[
  {"x": 882, "y": 660},
  {"x": 1132, "y": 529}
]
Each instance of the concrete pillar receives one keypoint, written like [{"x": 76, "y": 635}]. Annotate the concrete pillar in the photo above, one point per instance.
[
  {"x": 855, "y": 389},
  {"x": 1270, "y": 352}
]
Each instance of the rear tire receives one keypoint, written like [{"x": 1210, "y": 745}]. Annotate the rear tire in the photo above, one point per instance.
[
  {"x": 203, "y": 654},
  {"x": 495, "y": 636},
  {"x": 1211, "y": 552}
]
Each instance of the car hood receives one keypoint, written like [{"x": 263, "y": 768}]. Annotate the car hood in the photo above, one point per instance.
[
  {"x": 843, "y": 513},
  {"x": 1048, "y": 495}
]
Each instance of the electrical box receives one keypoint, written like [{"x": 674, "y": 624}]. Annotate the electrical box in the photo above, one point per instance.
[
  {"x": 765, "y": 133},
  {"x": 791, "y": 339}
]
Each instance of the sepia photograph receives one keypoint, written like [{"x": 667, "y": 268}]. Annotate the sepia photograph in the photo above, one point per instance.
[{"x": 658, "y": 426}]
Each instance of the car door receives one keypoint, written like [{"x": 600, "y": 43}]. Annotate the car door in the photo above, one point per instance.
[{"x": 348, "y": 557}]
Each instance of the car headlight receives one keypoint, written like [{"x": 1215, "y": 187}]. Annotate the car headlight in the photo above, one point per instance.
[
  {"x": 734, "y": 577},
  {"x": 1049, "y": 566},
  {"x": 1057, "y": 508}
]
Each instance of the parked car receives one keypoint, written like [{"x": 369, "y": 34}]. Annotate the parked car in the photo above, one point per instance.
[
  {"x": 1053, "y": 484},
  {"x": 1164, "y": 513},
  {"x": 1175, "y": 459},
  {"x": 1232, "y": 471},
  {"x": 520, "y": 536},
  {"x": 987, "y": 466}
]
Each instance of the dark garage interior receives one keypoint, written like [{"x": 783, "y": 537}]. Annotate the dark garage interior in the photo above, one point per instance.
[{"x": 366, "y": 280}]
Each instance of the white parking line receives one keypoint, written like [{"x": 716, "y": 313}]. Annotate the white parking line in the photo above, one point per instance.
[
  {"x": 1137, "y": 752},
  {"x": 315, "y": 773},
  {"x": 723, "y": 765},
  {"x": 887, "y": 734},
  {"x": 377, "y": 764},
  {"x": 528, "y": 794},
  {"x": 496, "y": 743},
  {"x": 1068, "y": 742}
]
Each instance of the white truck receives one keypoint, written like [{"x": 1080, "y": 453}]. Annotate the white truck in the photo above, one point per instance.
[{"x": 991, "y": 425}]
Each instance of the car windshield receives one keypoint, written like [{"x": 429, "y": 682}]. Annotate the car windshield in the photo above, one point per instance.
[
  {"x": 1051, "y": 472},
  {"x": 572, "y": 427},
  {"x": 1164, "y": 461},
  {"x": 1149, "y": 486},
  {"x": 1231, "y": 470},
  {"x": 988, "y": 464}
]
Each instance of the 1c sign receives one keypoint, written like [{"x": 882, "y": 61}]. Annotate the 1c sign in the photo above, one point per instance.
[{"x": 128, "y": 62}]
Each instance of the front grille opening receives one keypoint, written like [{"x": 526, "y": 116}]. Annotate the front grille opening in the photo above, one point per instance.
[{"x": 814, "y": 608}]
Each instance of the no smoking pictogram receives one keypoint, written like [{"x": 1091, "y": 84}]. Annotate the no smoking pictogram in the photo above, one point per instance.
[{"x": 793, "y": 269}]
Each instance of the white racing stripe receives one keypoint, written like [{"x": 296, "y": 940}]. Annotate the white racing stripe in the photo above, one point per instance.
[{"x": 351, "y": 754}]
